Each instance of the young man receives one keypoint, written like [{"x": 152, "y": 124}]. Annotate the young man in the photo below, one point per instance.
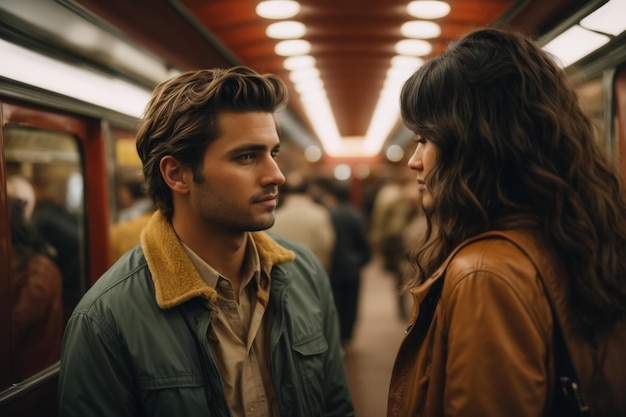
[{"x": 209, "y": 316}]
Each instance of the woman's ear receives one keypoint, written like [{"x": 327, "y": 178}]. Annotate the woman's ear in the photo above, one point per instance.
[{"x": 174, "y": 174}]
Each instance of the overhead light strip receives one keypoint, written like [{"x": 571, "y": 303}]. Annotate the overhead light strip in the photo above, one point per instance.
[
  {"x": 574, "y": 44},
  {"x": 609, "y": 19},
  {"x": 303, "y": 72},
  {"x": 387, "y": 112},
  {"x": 41, "y": 71},
  {"x": 594, "y": 31}
]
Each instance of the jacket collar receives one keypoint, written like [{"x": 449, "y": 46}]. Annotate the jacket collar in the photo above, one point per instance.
[
  {"x": 175, "y": 278},
  {"x": 527, "y": 239}
]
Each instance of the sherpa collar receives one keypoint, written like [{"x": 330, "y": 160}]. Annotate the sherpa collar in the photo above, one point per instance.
[{"x": 175, "y": 278}]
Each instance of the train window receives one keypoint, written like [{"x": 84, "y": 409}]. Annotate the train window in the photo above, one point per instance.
[
  {"x": 130, "y": 196},
  {"x": 132, "y": 207},
  {"x": 619, "y": 91},
  {"x": 592, "y": 102},
  {"x": 45, "y": 189}
]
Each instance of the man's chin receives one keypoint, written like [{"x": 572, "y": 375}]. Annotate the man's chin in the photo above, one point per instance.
[{"x": 261, "y": 225}]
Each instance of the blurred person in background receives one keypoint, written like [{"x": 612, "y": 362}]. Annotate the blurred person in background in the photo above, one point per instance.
[
  {"x": 20, "y": 188},
  {"x": 125, "y": 235},
  {"x": 132, "y": 197},
  {"x": 209, "y": 316},
  {"x": 136, "y": 212},
  {"x": 299, "y": 217},
  {"x": 393, "y": 208},
  {"x": 36, "y": 304},
  {"x": 60, "y": 226},
  {"x": 520, "y": 285},
  {"x": 349, "y": 256}
]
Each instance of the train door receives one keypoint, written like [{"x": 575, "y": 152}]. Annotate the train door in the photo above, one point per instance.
[
  {"x": 619, "y": 91},
  {"x": 53, "y": 240},
  {"x": 131, "y": 207},
  {"x": 603, "y": 99}
]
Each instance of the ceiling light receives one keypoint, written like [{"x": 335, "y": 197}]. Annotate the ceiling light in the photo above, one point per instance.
[
  {"x": 403, "y": 61},
  {"x": 314, "y": 96},
  {"x": 103, "y": 90},
  {"x": 385, "y": 117},
  {"x": 420, "y": 29},
  {"x": 398, "y": 74},
  {"x": 573, "y": 44},
  {"x": 278, "y": 9},
  {"x": 304, "y": 74},
  {"x": 342, "y": 172},
  {"x": 311, "y": 84},
  {"x": 323, "y": 121},
  {"x": 352, "y": 147},
  {"x": 292, "y": 47},
  {"x": 299, "y": 62},
  {"x": 413, "y": 47},
  {"x": 288, "y": 29},
  {"x": 393, "y": 85},
  {"x": 313, "y": 153},
  {"x": 394, "y": 153},
  {"x": 607, "y": 19},
  {"x": 428, "y": 9},
  {"x": 387, "y": 111}
]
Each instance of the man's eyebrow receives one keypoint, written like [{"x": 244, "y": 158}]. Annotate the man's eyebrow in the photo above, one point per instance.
[{"x": 252, "y": 147}]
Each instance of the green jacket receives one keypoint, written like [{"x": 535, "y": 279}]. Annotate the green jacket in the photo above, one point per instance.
[{"x": 136, "y": 343}]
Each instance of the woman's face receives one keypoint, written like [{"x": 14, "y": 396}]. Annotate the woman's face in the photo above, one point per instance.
[{"x": 422, "y": 161}]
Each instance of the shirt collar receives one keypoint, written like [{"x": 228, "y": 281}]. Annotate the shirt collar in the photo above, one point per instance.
[{"x": 210, "y": 276}]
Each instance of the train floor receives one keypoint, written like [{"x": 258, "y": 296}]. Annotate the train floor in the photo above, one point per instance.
[{"x": 377, "y": 335}]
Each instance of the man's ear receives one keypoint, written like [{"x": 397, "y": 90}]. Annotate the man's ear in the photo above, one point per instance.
[{"x": 175, "y": 174}]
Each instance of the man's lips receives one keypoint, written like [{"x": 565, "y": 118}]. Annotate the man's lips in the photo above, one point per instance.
[{"x": 267, "y": 200}]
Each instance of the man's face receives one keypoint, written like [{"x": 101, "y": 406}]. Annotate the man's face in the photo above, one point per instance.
[{"x": 241, "y": 178}]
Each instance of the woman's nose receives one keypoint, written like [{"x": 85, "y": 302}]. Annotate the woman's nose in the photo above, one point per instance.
[{"x": 415, "y": 161}]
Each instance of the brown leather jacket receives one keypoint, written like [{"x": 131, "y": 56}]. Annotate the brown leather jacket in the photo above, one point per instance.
[{"x": 489, "y": 349}]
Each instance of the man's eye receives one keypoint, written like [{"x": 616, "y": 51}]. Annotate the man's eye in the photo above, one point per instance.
[
  {"x": 246, "y": 157},
  {"x": 275, "y": 153}
]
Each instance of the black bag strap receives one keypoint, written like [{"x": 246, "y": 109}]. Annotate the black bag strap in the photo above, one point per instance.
[
  {"x": 568, "y": 396},
  {"x": 426, "y": 314}
]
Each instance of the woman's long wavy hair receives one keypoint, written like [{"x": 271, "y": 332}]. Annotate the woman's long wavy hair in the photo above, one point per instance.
[
  {"x": 181, "y": 119},
  {"x": 515, "y": 150}
]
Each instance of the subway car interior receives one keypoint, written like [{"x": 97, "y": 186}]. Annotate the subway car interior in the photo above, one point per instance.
[{"x": 75, "y": 76}]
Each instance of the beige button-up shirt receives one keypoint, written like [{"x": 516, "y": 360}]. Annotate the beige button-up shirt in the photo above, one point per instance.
[{"x": 240, "y": 337}]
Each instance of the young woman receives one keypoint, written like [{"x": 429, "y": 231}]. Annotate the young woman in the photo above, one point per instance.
[{"x": 526, "y": 241}]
